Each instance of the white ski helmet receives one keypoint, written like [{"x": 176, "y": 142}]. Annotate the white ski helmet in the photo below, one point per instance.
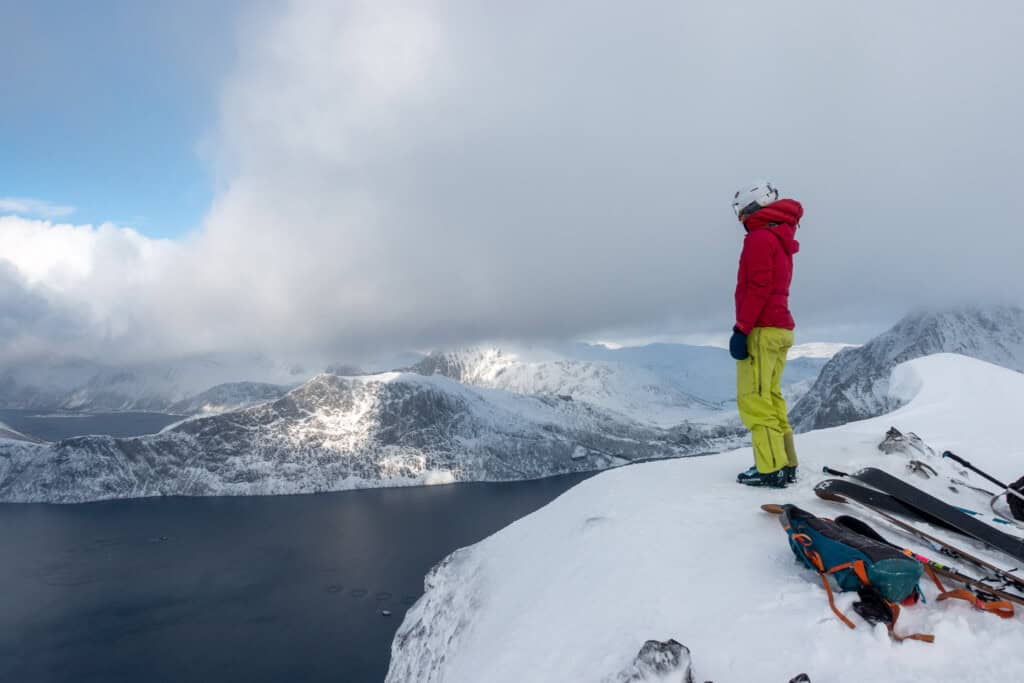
[{"x": 751, "y": 197}]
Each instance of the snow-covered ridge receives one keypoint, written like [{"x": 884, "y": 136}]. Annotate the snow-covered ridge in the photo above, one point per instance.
[
  {"x": 225, "y": 398},
  {"x": 822, "y": 350},
  {"x": 635, "y": 392},
  {"x": 348, "y": 432},
  {"x": 661, "y": 385},
  {"x": 855, "y": 384},
  {"x": 55, "y": 383},
  {"x": 706, "y": 372},
  {"x": 677, "y": 549}
]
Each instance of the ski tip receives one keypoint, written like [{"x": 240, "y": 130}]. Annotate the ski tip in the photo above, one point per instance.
[
  {"x": 773, "y": 508},
  {"x": 824, "y": 491}
]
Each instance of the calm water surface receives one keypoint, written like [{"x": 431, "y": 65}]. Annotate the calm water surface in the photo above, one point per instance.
[
  {"x": 279, "y": 588},
  {"x": 56, "y": 426}
]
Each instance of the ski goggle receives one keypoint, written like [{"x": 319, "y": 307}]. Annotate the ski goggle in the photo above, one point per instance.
[{"x": 749, "y": 208}]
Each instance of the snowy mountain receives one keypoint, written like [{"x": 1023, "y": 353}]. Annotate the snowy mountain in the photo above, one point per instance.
[
  {"x": 632, "y": 391},
  {"x": 854, "y": 385},
  {"x": 677, "y": 550},
  {"x": 819, "y": 350},
  {"x": 224, "y": 398},
  {"x": 348, "y": 432},
  {"x": 706, "y": 372},
  {"x": 660, "y": 384},
  {"x": 59, "y": 383}
]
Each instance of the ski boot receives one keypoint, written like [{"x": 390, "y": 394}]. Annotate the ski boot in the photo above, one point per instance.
[
  {"x": 790, "y": 474},
  {"x": 751, "y": 477}
]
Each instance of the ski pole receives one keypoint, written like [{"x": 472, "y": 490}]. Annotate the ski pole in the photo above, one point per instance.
[
  {"x": 924, "y": 560},
  {"x": 1006, "y": 489}
]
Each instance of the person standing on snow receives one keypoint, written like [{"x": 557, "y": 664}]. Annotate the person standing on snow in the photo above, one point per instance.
[{"x": 764, "y": 326}]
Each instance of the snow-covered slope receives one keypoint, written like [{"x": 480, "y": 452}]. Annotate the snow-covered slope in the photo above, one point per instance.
[
  {"x": 632, "y": 391},
  {"x": 347, "y": 432},
  {"x": 224, "y": 398},
  {"x": 677, "y": 549},
  {"x": 854, "y": 384},
  {"x": 57, "y": 383},
  {"x": 820, "y": 350},
  {"x": 659, "y": 384},
  {"x": 706, "y": 372}
]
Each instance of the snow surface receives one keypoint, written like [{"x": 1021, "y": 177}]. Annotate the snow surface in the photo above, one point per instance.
[
  {"x": 676, "y": 549},
  {"x": 706, "y": 372},
  {"x": 635, "y": 392},
  {"x": 661, "y": 385},
  {"x": 225, "y": 398},
  {"x": 823, "y": 350}
]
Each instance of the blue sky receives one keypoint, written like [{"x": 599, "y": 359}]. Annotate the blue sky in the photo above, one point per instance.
[{"x": 105, "y": 107}]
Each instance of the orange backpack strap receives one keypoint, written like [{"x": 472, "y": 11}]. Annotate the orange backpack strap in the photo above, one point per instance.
[
  {"x": 934, "y": 577},
  {"x": 832, "y": 602},
  {"x": 858, "y": 568},
  {"x": 923, "y": 637},
  {"x": 1001, "y": 608}
]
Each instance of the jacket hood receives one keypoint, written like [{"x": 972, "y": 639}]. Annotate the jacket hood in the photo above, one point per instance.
[{"x": 782, "y": 218}]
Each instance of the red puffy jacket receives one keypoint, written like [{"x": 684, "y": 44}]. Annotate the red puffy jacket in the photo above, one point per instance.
[{"x": 766, "y": 267}]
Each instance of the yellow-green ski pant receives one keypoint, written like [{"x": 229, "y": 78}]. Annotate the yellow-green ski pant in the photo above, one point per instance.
[{"x": 759, "y": 396}]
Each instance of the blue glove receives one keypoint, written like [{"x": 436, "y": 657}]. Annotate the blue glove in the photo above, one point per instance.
[{"x": 738, "y": 345}]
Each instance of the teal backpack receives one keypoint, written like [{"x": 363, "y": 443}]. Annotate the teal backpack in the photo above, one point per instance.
[{"x": 883, "y": 576}]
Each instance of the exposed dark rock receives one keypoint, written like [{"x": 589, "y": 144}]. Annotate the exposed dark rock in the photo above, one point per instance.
[
  {"x": 909, "y": 444},
  {"x": 662, "y": 661}
]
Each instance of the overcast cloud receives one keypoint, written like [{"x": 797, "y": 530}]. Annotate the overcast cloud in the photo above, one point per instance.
[{"x": 407, "y": 175}]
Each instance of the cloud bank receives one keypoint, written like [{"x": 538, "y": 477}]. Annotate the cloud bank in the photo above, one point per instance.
[{"x": 402, "y": 175}]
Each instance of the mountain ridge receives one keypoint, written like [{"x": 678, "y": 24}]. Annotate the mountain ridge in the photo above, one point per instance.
[
  {"x": 334, "y": 433},
  {"x": 854, "y": 384}
]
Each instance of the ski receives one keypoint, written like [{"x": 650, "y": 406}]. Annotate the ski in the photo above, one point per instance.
[
  {"x": 933, "y": 507},
  {"x": 894, "y": 505},
  {"x": 826, "y": 491},
  {"x": 878, "y": 499}
]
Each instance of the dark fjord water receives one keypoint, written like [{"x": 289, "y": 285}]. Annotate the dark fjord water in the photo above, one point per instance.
[
  {"x": 57, "y": 426},
  {"x": 277, "y": 588}
]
